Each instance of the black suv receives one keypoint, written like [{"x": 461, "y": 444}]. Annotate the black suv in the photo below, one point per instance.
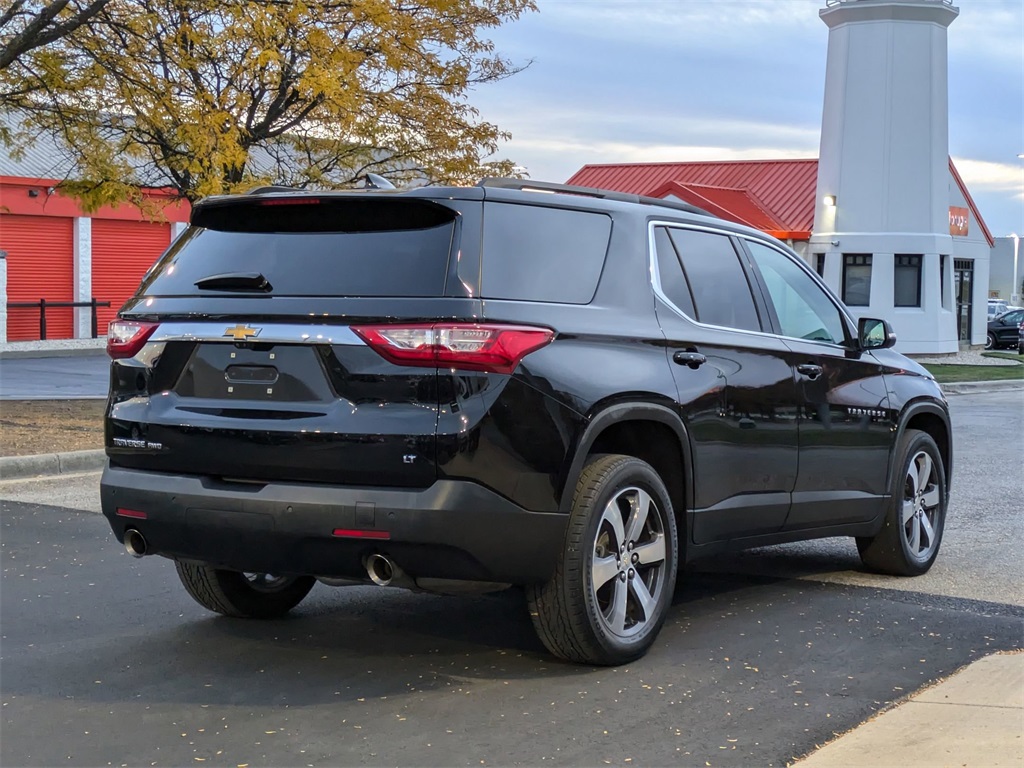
[{"x": 518, "y": 383}]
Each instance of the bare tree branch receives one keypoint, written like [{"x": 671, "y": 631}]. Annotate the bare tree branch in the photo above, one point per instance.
[{"x": 43, "y": 28}]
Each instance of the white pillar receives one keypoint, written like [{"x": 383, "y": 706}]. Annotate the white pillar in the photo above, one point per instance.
[
  {"x": 83, "y": 275},
  {"x": 177, "y": 227},
  {"x": 3, "y": 297},
  {"x": 884, "y": 159}
]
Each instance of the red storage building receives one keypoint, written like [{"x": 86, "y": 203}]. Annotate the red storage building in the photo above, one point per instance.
[
  {"x": 40, "y": 265},
  {"x": 122, "y": 251},
  {"x": 57, "y": 252}
]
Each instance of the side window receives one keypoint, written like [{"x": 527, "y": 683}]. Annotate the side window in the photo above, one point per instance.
[
  {"x": 533, "y": 253},
  {"x": 670, "y": 274},
  {"x": 803, "y": 308},
  {"x": 718, "y": 284}
]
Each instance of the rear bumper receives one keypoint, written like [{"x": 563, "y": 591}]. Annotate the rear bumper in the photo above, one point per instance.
[{"x": 451, "y": 530}]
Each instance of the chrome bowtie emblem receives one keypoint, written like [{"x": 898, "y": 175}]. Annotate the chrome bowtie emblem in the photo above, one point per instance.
[{"x": 242, "y": 332}]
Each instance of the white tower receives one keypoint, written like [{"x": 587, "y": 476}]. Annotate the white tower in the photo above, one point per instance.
[{"x": 883, "y": 172}]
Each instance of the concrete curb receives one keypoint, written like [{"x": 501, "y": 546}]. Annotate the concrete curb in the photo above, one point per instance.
[
  {"x": 12, "y": 354},
  {"x": 49, "y": 464},
  {"x": 969, "y": 387}
]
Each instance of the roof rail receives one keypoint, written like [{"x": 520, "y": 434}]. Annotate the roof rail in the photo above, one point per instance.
[
  {"x": 602, "y": 194},
  {"x": 266, "y": 189}
]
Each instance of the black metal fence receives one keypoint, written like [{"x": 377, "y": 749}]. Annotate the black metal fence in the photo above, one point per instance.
[{"x": 42, "y": 305}]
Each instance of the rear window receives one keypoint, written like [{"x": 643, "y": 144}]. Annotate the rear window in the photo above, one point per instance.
[
  {"x": 532, "y": 253},
  {"x": 307, "y": 246}
]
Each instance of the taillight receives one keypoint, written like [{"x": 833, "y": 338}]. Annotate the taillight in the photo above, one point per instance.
[
  {"x": 492, "y": 348},
  {"x": 126, "y": 337}
]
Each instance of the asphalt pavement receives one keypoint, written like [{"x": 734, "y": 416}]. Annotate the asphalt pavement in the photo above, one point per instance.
[
  {"x": 764, "y": 656},
  {"x": 55, "y": 378},
  {"x": 106, "y": 661}
]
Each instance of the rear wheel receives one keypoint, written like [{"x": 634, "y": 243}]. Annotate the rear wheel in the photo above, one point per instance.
[
  {"x": 614, "y": 581},
  {"x": 244, "y": 595},
  {"x": 909, "y": 540}
]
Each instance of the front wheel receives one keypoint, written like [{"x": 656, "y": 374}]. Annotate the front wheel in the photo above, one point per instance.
[
  {"x": 243, "y": 595},
  {"x": 613, "y": 585},
  {"x": 990, "y": 341},
  {"x": 909, "y": 540}
]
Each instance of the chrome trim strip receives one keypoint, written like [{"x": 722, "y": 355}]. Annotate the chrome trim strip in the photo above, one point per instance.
[
  {"x": 660, "y": 293},
  {"x": 275, "y": 333}
]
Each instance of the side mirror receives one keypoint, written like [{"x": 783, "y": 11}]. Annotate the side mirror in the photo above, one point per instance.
[{"x": 873, "y": 333}]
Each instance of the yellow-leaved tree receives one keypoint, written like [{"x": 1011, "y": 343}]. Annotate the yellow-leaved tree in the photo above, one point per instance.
[{"x": 215, "y": 96}]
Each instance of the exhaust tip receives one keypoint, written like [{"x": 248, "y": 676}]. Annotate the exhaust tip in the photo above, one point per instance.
[
  {"x": 380, "y": 569},
  {"x": 134, "y": 543}
]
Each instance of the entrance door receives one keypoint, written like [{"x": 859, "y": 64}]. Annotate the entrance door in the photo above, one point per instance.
[{"x": 963, "y": 271}]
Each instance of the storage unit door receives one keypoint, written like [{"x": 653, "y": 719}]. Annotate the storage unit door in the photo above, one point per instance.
[
  {"x": 40, "y": 265},
  {"x": 122, "y": 252}
]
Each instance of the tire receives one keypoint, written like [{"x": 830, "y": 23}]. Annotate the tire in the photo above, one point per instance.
[
  {"x": 911, "y": 535},
  {"x": 593, "y": 610},
  {"x": 1020, "y": 348},
  {"x": 249, "y": 596},
  {"x": 990, "y": 341}
]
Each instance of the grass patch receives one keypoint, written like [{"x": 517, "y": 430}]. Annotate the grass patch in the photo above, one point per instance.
[{"x": 952, "y": 373}]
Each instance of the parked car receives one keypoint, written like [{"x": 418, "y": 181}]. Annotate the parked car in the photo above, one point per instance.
[
  {"x": 1002, "y": 329},
  {"x": 576, "y": 392},
  {"x": 1020, "y": 338},
  {"x": 996, "y": 307}
]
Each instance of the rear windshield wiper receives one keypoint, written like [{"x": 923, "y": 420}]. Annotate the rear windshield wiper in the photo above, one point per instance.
[{"x": 235, "y": 281}]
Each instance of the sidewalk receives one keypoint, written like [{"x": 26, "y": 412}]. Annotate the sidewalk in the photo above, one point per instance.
[{"x": 974, "y": 718}]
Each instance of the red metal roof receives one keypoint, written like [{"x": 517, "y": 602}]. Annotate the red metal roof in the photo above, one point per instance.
[
  {"x": 737, "y": 205},
  {"x": 775, "y": 196},
  {"x": 779, "y": 193}
]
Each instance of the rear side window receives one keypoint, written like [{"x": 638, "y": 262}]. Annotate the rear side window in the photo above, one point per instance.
[
  {"x": 313, "y": 247},
  {"x": 532, "y": 253},
  {"x": 721, "y": 292},
  {"x": 670, "y": 274}
]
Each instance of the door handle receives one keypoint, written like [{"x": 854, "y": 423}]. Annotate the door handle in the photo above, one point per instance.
[
  {"x": 692, "y": 359},
  {"x": 809, "y": 370}
]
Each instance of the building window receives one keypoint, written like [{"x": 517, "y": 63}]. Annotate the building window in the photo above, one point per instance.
[
  {"x": 819, "y": 264},
  {"x": 857, "y": 279},
  {"x": 907, "y": 281},
  {"x": 943, "y": 280}
]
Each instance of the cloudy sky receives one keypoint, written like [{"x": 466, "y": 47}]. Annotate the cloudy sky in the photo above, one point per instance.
[{"x": 668, "y": 80}]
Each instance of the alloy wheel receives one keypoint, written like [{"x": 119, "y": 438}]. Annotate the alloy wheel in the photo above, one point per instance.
[
  {"x": 628, "y": 567},
  {"x": 922, "y": 506}
]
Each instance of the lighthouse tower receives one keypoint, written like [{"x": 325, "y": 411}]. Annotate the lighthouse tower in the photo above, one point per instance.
[{"x": 882, "y": 216}]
